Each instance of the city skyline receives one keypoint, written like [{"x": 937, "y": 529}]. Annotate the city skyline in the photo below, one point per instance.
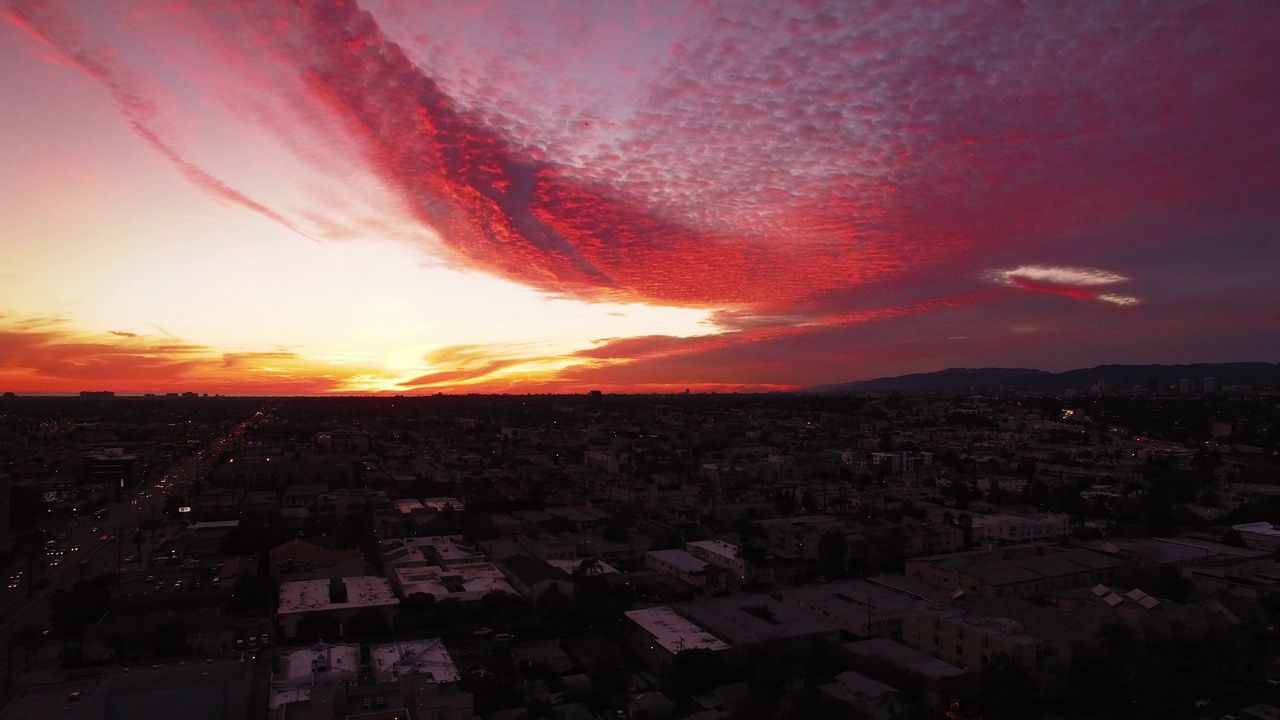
[{"x": 269, "y": 198}]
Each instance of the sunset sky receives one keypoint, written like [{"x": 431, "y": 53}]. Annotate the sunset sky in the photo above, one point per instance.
[{"x": 396, "y": 196}]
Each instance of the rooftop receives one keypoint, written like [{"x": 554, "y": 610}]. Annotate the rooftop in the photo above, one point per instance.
[
  {"x": 680, "y": 560},
  {"x": 752, "y": 618},
  {"x": 673, "y": 632},
  {"x": 305, "y": 663},
  {"x": 909, "y": 659},
  {"x": 407, "y": 658},
  {"x": 721, "y": 548}
]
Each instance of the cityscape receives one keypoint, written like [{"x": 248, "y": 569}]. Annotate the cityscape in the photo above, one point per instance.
[
  {"x": 639, "y": 360},
  {"x": 987, "y": 553}
]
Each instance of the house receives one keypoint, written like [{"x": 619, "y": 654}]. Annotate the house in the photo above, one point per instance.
[{"x": 532, "y": 576}]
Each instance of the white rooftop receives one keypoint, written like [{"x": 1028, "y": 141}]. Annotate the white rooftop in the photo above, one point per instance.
[
  {"x": 303, "y": 663},
  {"x": 406, "y": 658},
  {"x": 300, "y": 596},
  {"x": 463, "y": 582},
  {"x": 673, "y": 632}
]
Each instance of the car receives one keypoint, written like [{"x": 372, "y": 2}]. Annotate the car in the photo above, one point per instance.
[
  {"x": 14, "y": 583},
  {"x": 53, "y": 563},
  {"x": 1202, "y": 702},
  {"x": 481, "y": 632},
  {"x": 104, "y": 538}
]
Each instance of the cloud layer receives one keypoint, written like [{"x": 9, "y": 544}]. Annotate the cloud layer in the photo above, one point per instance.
[{"x": 815, "y": 174}]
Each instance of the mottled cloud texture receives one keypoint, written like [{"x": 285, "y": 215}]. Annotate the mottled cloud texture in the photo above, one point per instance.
[{"x": 845, "y": 185}]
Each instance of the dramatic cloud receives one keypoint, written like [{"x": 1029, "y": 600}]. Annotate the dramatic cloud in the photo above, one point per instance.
[{"x": 831, "y": 183}]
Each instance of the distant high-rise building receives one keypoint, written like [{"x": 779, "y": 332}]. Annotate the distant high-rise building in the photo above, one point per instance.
[
  {"x": 1210, "y": 385},
  {"x": 1184, "y": 386}
]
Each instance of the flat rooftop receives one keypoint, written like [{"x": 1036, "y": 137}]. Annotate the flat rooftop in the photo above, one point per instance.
[
  {"x": 857, "y": 600},
  {"x": 673, "y": 632},
  {"x": 298, "y": 596},
  {"x": 408, "y": 658},
  {"x": 303, "y": 663},
  {"x": 679, "y": 559},
  {"x": 470, "y": 581},
  {"x": 753, "y": 618},
  {"x": 719, "y": 548},
  {"x": 909, "y": 659}
]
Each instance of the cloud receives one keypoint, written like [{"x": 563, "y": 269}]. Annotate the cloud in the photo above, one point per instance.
[
  {"x": 47, "y": 354},
  {"x": 43, "y": 21},
  {"x": 805, "y": 170},
  {"x": 1072, "y": 282}
]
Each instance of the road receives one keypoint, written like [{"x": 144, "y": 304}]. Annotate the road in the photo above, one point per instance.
[{"x": 84, "y": 552}]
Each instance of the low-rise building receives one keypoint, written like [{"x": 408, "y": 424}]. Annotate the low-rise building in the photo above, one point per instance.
[
  {"x": 858, "y": 607},
  {"x": 465, "y": 582},
  {"x": 662, "y": 634},
  {"x": 392, "y": 661},
  {"x": 1020, "y": 529},
  {"x": 758, "y": 623},
  {"x": 1016, "y": 571},
  {"x": 339, "y": 599},
  {"x": 681, "y": 565}
]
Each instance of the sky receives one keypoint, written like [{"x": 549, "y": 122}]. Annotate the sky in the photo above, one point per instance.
[{"x": 398, "y": 196}]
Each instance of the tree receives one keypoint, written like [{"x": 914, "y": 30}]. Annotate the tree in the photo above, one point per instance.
[
  {"x": 313, "y": 628},
  {"x": 833, "y": 553},
  {"x": 785, "y": 501},
  {"x": 694, "y": 671},
  {"x": 1007, "y": 689},
  {"x": 965, "y": 521},
  {"x": 366, "y": 622}
]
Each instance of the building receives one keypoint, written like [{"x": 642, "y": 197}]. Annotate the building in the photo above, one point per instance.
[
  {"x": 465, "y": 582},
  {"x": 1021, "y": 528},
  {"x": 1015, "y": 571},
  {"x": 1261, "y": 535},
  {"x": 858, "y": 607},
  {"x": 938, "y": 681},
  {"x": 333, "y": 598},
  {"x": 876, "y": 699},
  {"x": 661, "y": 634},
  {"x": 392, "y": 661},
  {"x": 758, "y": 623},
  {"x": 722, "y": 554},
  {"x": 532, "y": 576},
  {"x": 205, "y": 538},
  {"x": 682, "y": 565},
  {"x": 965, "y": 640},
  {"x": 319, "y": 663},
  {"x": 110, "y": 466}
]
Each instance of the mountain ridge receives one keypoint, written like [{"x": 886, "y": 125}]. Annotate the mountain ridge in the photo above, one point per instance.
[{"x": 1256, "y": 374}]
